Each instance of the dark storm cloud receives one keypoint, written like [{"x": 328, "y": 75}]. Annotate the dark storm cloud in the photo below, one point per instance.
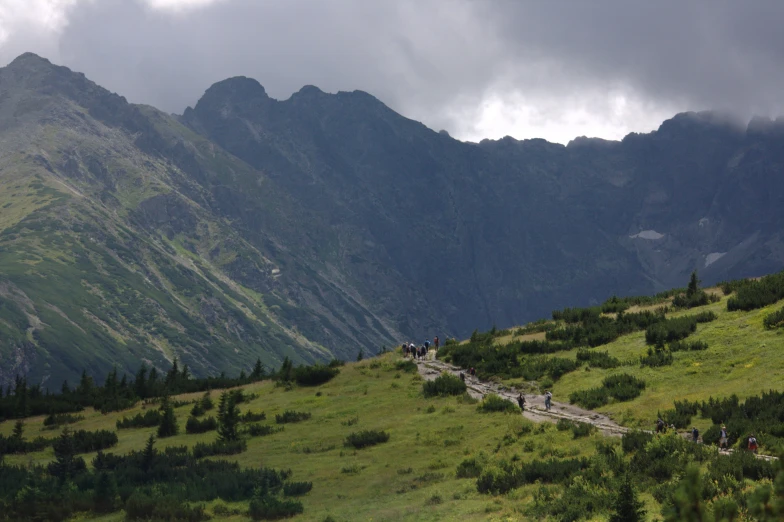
[{"x": 468, "y": 66}]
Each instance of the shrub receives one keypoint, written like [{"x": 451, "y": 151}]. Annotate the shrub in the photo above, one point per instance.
[
  {"x": 444, "y": 385},
  {"x": 635, "y": 440},
  {"x": 250, "y": 416},
  {"x": 469, "y": 468},
  {"x": 656, "y": 358},
  {"x": 296, "y": 489},
  {"x": 195, "y": 425},
  {"x": 55, "y": 420},
  {"x": 260, "y": 430},
  {"x": 406, "y": 365},
  {"x": 233, "y": 447},
  {"x": 147, "y": 419},
  {"x": 140, "y": 506},
  {"x": 314, "y": 375},
  {"x": 289, "y": 416},
  {"x": 362, "y": 439},
  {"x": 197, "y": 410},
  {"x": 494, "y": 403},
  {"x": 597, "y": 359},
  {"x": 622, "y": 387},
  {"x": 501, "y": 481},
  {"x": 268, "y": 507},
  {"x": 89, "y": 441},
  {"x": 757, "y": 294},
  {"x": 688, "y": 346},
  {"x": 590, "y": 399},
  {"x": 774, "y": 320}
]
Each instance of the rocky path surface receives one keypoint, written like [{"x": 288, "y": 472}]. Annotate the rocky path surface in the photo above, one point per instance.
[{"x": 534, "y": 404}]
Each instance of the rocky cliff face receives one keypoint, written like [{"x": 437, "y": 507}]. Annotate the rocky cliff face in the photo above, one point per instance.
[{"x": 322, "y": 224}]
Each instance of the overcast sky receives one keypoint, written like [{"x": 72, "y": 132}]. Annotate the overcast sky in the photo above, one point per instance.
[{"x": 477, "y": 68}]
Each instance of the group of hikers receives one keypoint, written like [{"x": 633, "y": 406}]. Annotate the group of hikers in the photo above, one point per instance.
[
  {"x": 548, "y": 400},
  {"x": 751, "y": 440},
  {"x": 419, "y": 352}
]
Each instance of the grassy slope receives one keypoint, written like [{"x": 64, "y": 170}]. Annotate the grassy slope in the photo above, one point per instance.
[
  {"x": 742, "y": 358},
  {"x": 431, "y": 444}
]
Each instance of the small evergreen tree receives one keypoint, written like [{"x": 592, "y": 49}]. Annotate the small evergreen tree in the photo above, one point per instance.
[
  {"x": 148, "y": 455},
  {"x": 286, "y": 368},
  {"x": 18, "y": 432},
  {"x": 694, "y": 285},
  {"x": 627, "y": 507},
  {"x": 360, "y": 355},
  {"x": 258, "y": 371},
  {"x": 228, "y": 418},
  {"x": 168, "y": 426},
  {"x": 105, "y": 495},
  {"x": 65, "y": 463}
]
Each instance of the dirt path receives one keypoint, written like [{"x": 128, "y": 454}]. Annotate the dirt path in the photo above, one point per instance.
[{"x": 534, "y": 404}]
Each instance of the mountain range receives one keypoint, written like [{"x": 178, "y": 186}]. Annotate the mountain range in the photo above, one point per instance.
[{"x": 328, "y": 224}]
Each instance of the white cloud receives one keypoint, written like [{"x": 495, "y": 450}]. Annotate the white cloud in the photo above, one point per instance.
[{"x": 179, "y": 5}]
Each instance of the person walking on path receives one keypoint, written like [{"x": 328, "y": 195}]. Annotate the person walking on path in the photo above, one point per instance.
[
  {"x": 695, "y": 434},
  {"x": 752, "y": 443},
  {"x": 723, "y": 437},
  {"x": 521, "y": 402},
  {"x": 547, "y": 400},
  {"x": 659, "y": 425},
  {"x": 435, "y": 342}
]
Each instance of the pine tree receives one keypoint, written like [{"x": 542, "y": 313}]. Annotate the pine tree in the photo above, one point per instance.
[
  {"x": 228, "y": 418},
  {"x": 105, "y": 494},
  {"x": 65, "y": 390},
  {"x": 140, "y": 383},
  {"x": 360, "y": 355},
  {"x": 185, "y": 374},
  {"x": 65, "y": 463},
  {"x": 258, "y": 371},
  {"x": 148, "y": 455},
  {"x": 688, "y": 505},
  {"x": 168, "y": 426},
  {"x": 627, "y": 507},
  {"x": 694, "y": 285},
  {"x": 284, "y": 374},
  {"x": 173, "y": 376},
  {"x": 18, "y": 432}
]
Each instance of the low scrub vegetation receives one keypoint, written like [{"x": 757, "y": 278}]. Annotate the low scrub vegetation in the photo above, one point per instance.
[
  {"x": 290, "y": 416},
  {"x": 194, "y": 425},
  {"x": 444, "y": 385},
  {"x": 493, "y": 403},
  {"x": 756, "y": 294},
  {"x": 365, "y": 438},
  {"x": 621, "y": 387}
]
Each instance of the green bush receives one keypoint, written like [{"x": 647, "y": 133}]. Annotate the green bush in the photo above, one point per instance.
[
  {"x": 469, "y": 468},
  {"x": 233, "y": 447},
  {"x": 147, "y": 419},
  {"x": 194, "y": 425},
  {"x": 261, "y": 430},
  {"x": 250, "y": 416},
  {"x": 444, "y": 385},
  {"x": 622, "y": 387},
  {"x": 290, "y": 416},
  {"x": 296, "y": 489},
  {"x": 494, "y": 403},
  {"x": 757, "y": 294},
  {"x": 365, "y": 438},
  {"x": 406, "y": 365},
  {"x": 314, "y": 375},
  {"x": 597, "y": 359},
  {"x": 656, "y": 358},
  {"x": 774, "y": 320},
  {"x": 268, "y": 507},
  {"x": 509, "y": 477},
  {"x": 55, "y": 420},
  {"x": 635, "y": 440}
]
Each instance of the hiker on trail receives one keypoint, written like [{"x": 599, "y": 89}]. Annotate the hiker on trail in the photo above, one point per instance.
[
  {"x": 462, "y": 376},
  {"x": 752, "y": 443},
  {"x": 411, "y": 349},
  {"x": 723, "y": 437},
  {"x": 435, "y": 342},
  {"x": 521, "y": 402},
  {"x": 695, "y": 434},
  {"x": 660, "y": 426},
  {"x": 472, "y": 371},
  {"x": 547, "y": 399},
  {"x": 427, "y": 344}
]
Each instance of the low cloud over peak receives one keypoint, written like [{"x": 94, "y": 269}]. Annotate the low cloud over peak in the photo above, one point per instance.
[{"x": 477, "y": 69}]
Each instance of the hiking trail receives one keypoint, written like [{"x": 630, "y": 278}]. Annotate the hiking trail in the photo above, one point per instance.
[{"x": 431, "y": 368}]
